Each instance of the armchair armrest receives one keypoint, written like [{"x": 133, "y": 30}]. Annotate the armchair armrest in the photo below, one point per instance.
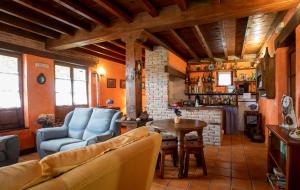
[
  {"x": 52, "y": 133},
  {"x": 99, "y": 138}
]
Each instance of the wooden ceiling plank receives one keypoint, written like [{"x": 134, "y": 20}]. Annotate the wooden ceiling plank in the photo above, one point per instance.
[
  {"x": 202, "y": 41},
  {"x": 277, "y": 20},
  {"x": 162, "y": 43},
  {"x": 143, "y": 45},
  {"x": 119, "y": 44},
  {"x": 104, "y": 52},
  {"x": 114, "y": 9},
  {"x": 170, "y": 18},
  {"x": 82, "y": 12},
  {"x": 83, "y": 50},
  {"x": 184, "y": 44},
  {"x": 150, "y": 8},
  {"x": 27, "y": 26},
  {"x": 50, "y": 12},
  {"x": 246, "y": 35},
  {"x": 21, "y": 32},
  {"x": 183, "y": 4},
  {"x": 14, "y": 10},
  {"x": 110, "y": 47},
  {"x": 228, "y": 30}
]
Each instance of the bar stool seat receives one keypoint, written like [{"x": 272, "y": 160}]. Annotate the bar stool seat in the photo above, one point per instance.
[
  {"x": 196, "y": 148},
  {"x": 167, "y": 147}
]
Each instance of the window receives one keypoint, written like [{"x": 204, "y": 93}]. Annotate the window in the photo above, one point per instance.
[
  {"x": 70, "y": 85},
  {"x": 224, "y": 78},
  {"x": 9, "y": 82}
]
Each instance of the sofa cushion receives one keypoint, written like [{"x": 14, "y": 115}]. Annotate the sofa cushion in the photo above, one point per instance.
[
  {"x": 78, "y": 122},
  {"x": 73, "y": 146},
  {"x": 2, "y": 156},
  {"x": 99, "y": 122},
  {"x": 2, "y": 145},
  {"x": 58, "y": 163},
  {"x": 54, "y": 145}
]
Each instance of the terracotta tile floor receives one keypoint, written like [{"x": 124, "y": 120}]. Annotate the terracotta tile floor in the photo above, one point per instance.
[{"x": 238, "y": 164}]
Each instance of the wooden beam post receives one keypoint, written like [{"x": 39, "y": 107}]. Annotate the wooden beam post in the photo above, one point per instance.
[{"x": 133, "y": 75}]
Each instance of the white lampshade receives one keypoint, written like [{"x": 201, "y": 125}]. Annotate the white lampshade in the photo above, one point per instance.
[{"x": 101, "y": 71}]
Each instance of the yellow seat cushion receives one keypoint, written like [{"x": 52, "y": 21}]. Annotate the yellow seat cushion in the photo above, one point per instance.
[
  {"x": 62, "y": 162},
  {"x": 21, "y": 175}
]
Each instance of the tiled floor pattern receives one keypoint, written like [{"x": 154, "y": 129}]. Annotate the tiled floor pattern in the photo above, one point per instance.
[{"x": 236, "y": 165}]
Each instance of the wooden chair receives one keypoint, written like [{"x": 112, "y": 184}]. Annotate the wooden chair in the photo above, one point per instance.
[
  {"x": 194, "y": 147},
  {"x": 168, "y": 147}
]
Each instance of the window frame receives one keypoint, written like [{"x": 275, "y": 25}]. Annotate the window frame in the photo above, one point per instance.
[
  {"x": 20, "y": 73},
  {"x": 231, "y": 76},
  {"x": 71, "y": 66}
]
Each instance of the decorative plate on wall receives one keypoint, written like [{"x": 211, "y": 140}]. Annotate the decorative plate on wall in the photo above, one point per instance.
[{"x": 41, "y": 78}]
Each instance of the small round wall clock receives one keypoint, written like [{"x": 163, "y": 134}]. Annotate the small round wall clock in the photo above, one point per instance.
[{"x": 41, "y": 78}]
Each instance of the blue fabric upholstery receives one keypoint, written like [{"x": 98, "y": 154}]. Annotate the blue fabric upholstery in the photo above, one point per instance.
[
  {"x": 82, "y": 127},
  {"x": 54, "y": 145},
  {"x": 80, "y": 119},
  {"x": 10, "y": 149}
]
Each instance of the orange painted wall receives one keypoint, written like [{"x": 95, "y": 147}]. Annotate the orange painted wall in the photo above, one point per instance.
[
  {"x": 116, "y": 71},
  {"x": 176, "y": 62}
]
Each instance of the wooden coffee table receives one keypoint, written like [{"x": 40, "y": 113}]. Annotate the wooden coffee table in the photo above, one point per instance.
[{"x": 185, "y": 126}]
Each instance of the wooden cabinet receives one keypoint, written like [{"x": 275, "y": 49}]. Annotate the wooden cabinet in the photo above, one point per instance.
[
  {"x": 284, "y": 153},
  {"x": 265, "y": 76}
]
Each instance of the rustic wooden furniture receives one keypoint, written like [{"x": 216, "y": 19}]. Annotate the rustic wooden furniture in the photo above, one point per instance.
[
  {"x": 194, "y": 147},
  {"x": 253, "y": 125},
  {"x": 185, "y": 126},
  {"x": 130, "y": 125},
  {"x": 265, "y": 76},
  {"x": 167, "y": 147},
  {"x": 288, "y": 163}
]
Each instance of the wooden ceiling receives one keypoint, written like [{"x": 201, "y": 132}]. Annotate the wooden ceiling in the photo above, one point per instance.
[{"x": 193, "y": 29}]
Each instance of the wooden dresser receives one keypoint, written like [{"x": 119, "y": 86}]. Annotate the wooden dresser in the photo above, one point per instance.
[{"x": 288, "y": 163}]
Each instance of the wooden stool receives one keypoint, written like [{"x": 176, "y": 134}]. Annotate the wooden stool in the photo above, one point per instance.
[
  {"x": 194, "y": 147},
  {"x": 167, "y": 147}
]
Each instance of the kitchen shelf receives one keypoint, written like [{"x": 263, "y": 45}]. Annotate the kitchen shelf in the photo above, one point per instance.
[{"x": 210, "y": 94}]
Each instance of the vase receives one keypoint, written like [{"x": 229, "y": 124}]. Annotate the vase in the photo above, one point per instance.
[{"x": 177, "y": 119}]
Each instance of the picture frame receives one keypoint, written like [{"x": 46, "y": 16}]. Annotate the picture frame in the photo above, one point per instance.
[
  {"x": 122, "y": 84},
  {"x": 111, "y": 83}
]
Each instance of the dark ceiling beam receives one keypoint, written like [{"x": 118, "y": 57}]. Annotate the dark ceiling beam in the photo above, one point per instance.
[
  {"x": 112, "y": 48},
  {"x": 279, "y": 18},
  {"x": 183, "y": 4},
  {"x": 82, "y": 12},
  {"x": 149, "y": 7},
  {"x": 143, "y": 45},
  {"x": 198, "y": 13},
  {"x": 21, "y": 32},
  {"x": 36, "y": 18},
  {"x": 104, "y": 52},
  {"x": 82, "y": 50},
  {"x": 119, "y": 44},
  {"x": 202, "y": 41},
  {"x": 162, "y": 43},
  {"x": 50, "y": 12},
  {"x": 27, "y": 26},
  {"x": 114, "y": 9},
  {"x": 216, "y": 2},
  {"x": 184, "y": 44}
]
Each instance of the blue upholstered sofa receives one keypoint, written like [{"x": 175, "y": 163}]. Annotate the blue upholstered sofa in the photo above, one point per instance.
[
  {"x": 82, "y": 127},
  {"x": 9, "y": 150}
]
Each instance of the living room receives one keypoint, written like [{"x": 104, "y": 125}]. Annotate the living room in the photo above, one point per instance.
[{"x": 149, "y": 94}]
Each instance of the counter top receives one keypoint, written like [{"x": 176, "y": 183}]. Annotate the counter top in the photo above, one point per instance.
[{"x": 212, "y": 107}]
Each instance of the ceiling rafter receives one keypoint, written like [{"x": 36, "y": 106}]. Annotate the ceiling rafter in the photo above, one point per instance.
[
  {"x": 162, "y": 43},
  {"x": 149, "y": 7},
  {"x": 250, "y": 20},
  {"x": 183, "y": 4},
  {"x": 100, "y": 51},
  {"x": 202, "y": 41},
  {"x": 115, "y": 9},
  {"x": 83, "y": 12},
  {"x": 143, "y": 45},
  {"x": 50, "y": 12},
  {"x": 184, "y": 44},
  {"x": 97, "y": 54},
  {"x": 30, "y": 16},
  {"x": 118, "y": 44},
  {"x": 109, "y": 47},
  {"x": 228, "y": 30}
]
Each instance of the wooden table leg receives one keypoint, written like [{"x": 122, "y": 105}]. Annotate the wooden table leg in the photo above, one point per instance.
[{"x": 180, "y": 136}]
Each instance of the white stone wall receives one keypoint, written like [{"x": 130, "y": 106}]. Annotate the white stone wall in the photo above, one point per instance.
[{"x": 157, "y": 98}]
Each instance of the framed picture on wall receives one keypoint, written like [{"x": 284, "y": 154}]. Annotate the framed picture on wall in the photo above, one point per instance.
[
  {"x": 111, "y": 83},
  {"x": 122, "y": 83}
]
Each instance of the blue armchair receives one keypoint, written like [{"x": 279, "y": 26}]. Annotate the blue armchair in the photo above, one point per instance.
[
  {"x": 82, "y": 127},
  {"x": 9, "y": 150}
]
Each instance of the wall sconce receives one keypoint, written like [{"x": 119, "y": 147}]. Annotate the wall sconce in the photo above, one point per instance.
[{"x": 101, "y": 72}]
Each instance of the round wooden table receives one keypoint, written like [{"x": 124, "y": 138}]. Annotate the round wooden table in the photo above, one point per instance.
[{"x": 185, "y": 126}]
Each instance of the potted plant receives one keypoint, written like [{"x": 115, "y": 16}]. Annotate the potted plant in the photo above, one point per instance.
[{"x": 46, "y": 120}]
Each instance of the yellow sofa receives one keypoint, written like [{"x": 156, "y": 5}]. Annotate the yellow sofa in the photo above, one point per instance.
[{"x": 126, "y": 162}]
